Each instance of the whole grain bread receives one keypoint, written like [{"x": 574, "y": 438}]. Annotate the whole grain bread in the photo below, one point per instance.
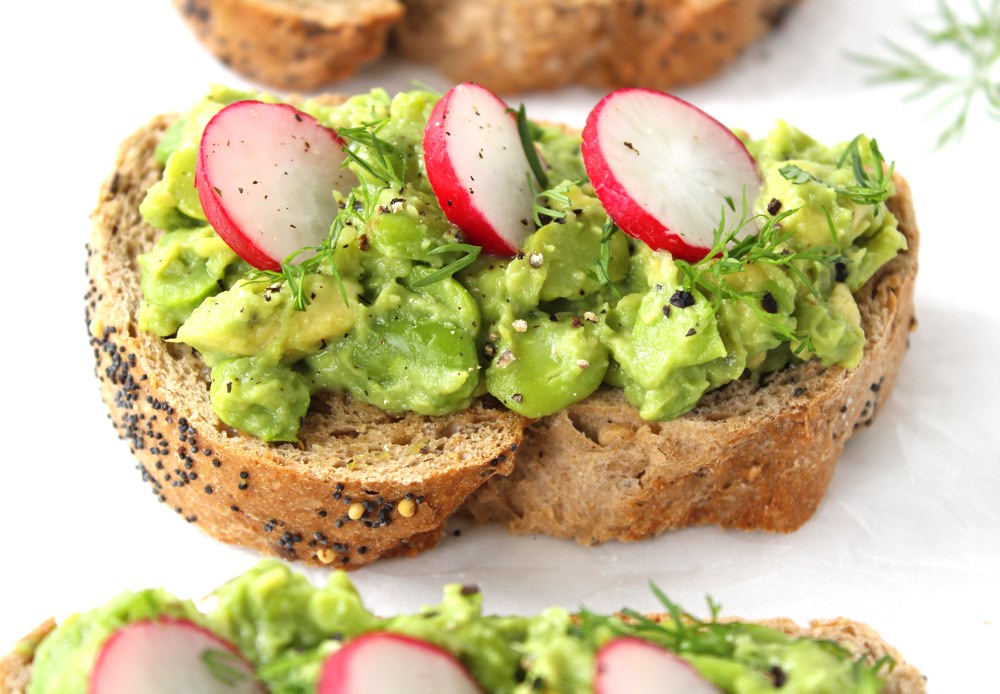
[
  {"x": 861, "y": 639},
  {"x": 506, "y": 45},
  {"x": 292, "y": 44},
  {"x": 751, "y": 455},
  {"x": 363, "y": 484},
  {"x": 518, "y": 45},
  {"x": 360, "y": 484}
]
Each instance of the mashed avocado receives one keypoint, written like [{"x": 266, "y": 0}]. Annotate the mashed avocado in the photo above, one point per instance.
[
  {"x": 393, "y": 321},
  {"x": 286, "y": 627}
]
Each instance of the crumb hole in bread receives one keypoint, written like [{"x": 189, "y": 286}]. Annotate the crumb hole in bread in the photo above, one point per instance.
[
  {"x": 447, "y": 430},
  {"x": 582, "y": 427},
  {"x": 320, "y": 406}
]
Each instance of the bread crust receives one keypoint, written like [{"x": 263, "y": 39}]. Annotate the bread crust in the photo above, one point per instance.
[
  {"x": 859, "y": 638},
  {"x": 293, "y": 501},
  {"x": 750, "y": 455},
  {"x": 292, "y": 44},
  {"x": 506, "y": 45}
]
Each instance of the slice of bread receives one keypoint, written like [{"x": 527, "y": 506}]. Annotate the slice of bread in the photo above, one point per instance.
[
  {"x": 859, "y": 638},
  {"x": 363, "y": 484},
  {"x": 506, "y": 45},
  {"x": 751, "y": 455},
  {"x": 292, "y": 44},
  {"x": 519, "y": 45}
]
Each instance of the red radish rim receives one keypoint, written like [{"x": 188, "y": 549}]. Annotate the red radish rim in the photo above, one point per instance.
[
  {"x": 442, "y": 176},
  {"x": 162, "y": 619},
  {"x": 632, "y": 218},
  {"x": 335, "y": 665},
  {"x": 211, "y": 203}
]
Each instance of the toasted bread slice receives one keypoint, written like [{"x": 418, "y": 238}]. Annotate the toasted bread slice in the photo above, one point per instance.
[
  {"x": 859, "y": 638},
  {"x": 505, "y": 45},
  {"x": 361, "y": 484},
  {"x": 750, "y": 455},
  {"x": 522, "y": 45},
  {"x": 292, "y": 44}
]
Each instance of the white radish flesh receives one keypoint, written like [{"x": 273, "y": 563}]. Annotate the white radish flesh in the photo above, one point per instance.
[
  {"x": 629, "y": 665},
  {"x": 384, "y": 662},
  {"x": 664, "y": 169},
  {"x": 478, "y": 169},
  {"x": 170, "y": 656},
  {"x": 265, "y": 177}
]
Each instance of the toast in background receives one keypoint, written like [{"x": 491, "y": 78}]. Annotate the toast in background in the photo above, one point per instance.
[{"x": 505, "y": 45}]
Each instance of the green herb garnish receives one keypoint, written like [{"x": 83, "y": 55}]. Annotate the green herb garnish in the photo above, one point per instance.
[
  {"x": 386, "y": 158},
  {"x": 975, "y": 42},
  {"x": 871, "y": 188},
  {"x": 292, "y": 274},
  {"x": 471, "y": 253},
  {"x": 685, "y": 634},
  {"x": 224, "y": 666},
  {"x": 539, "y": 204},
  {"x": 730, "y": 255},
  {"x": 602, "y": 265},
  {"x": 525, "y": 131}
]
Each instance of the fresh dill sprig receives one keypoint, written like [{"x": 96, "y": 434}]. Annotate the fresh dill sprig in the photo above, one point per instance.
[
  {"x": 540, "y": 208},
  {"x": 602, "y": 264},
  {"x": 685, "y": 634},
  {"x": 871, "y": 188},
  {"x": 977, "y": 41},
  {"x": 730, "y": 255},
  {"x": 471, "y": 253},
  {"x": 292, "y": 275},
  {"x": 526, "y": 131},
  {"x": 386, "y": 158},
  {"x": 224, "y": 666}
]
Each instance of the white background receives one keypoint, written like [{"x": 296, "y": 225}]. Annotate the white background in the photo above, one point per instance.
[{"x": 907, "y": 539}]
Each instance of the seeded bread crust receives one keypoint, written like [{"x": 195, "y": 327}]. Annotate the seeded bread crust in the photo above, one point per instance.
[
  {"x": 860, "y": 639},
  {"x": 750, "y": 455},
  {"x": 292, "y": 44},
  {"x": 360, "y": 485},
  {"x": 506, "y": 45}
]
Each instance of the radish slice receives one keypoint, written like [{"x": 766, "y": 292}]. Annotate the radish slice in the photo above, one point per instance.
[
  {"x": 169, "y": 656},
  {"x": 265, "y": 177},
  {"x": 663, "y": 169},
  {"x": 478, "y": 170},
  {"x": 384, "y": 662},
  {"x": 629, "y": 665}
]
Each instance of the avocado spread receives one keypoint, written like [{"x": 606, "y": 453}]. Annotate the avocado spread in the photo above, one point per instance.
[
  {"x": 394, "y": 316},
  {"x": 286, "y": 627}
]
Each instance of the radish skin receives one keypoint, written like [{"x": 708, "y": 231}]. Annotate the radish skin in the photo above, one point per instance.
[
  {"x": 630, "y": 665},
  {"x": 265, "y": 178},
  {"x": 664, "y": 169},
  {"x": 478, "y": 170},
  {"x": 170, "y": 656},
  {"x": 386, "y": 662}
]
